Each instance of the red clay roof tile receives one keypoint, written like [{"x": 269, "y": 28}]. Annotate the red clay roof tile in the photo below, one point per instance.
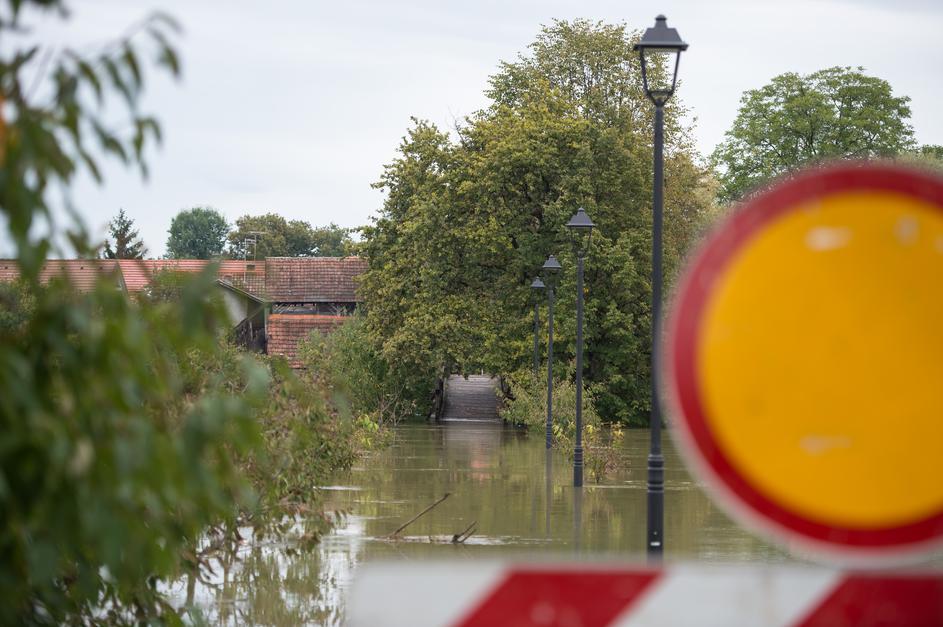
[
  {"x": 81, "y": 273},
  {"x": 278, "y": 279},
  {"x": 313, "y": 279}
]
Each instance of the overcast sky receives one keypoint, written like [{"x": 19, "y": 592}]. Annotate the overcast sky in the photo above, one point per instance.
[{"x": 293, "y": 106}]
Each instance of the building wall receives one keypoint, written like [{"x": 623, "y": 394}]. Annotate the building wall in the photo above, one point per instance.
[{"x": 287, "y": 330}]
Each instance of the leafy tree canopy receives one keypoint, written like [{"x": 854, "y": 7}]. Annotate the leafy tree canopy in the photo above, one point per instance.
[
  {"x": 271, "y": 235},
  {"x": 467, "y": 223},
  {"x": 932, "y": 150},
  {"x": 127, "y": 243},
  {"x": 838, "y": 112},
  {"x": 331, "y": 241},
  {"x": 197, "y": 233}
]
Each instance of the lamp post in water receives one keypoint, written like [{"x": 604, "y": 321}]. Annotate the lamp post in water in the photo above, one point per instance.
[
  {"x": 551, "y": 269},
  {"x": 537, "y": 285},
  {"x": 660, "y": 51},
  {"x": 581, "y": 230}
]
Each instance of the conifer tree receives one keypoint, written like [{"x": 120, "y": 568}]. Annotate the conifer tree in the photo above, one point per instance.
[{"x": 127, "y": 243}]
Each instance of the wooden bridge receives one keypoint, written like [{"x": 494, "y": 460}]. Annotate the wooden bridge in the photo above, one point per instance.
[{"x": 474, "y": 399}]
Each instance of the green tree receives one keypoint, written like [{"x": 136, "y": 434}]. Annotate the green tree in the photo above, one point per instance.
[
  {"x": 127, "y": 243},
  {"x": 928, "y": 157},
  {"x": 197, "y": 233},
  {"x": 795, "y": 120},
  {"x": 331, "y": 241},
  {"x": 271, "y": 235},
  {"x": 932, "y": 151},
  {"x": 467, "y": 224}
]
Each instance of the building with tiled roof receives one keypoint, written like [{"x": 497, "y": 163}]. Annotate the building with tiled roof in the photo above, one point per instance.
[
  {"x": 313, "y": 279},
  {"x": 275, "y": 303},
  {"x": 138, "y": 272},
  {"x": 83, "y": 274},
  {"x": 286, "y": 332},
  {"x": 308, "y": 294}
]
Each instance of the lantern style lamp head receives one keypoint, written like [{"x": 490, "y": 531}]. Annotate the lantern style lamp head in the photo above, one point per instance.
[
  {"x": 660, "y": 49},
  {"x": 551, "y": 269},
  {"x": 537, "y": 285},
  {"x": 581, "y": 232}
]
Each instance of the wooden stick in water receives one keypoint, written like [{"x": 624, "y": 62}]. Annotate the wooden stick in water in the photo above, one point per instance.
[
  {"x": 419, "y": 515},
  {"x": 459, "y": 538}
]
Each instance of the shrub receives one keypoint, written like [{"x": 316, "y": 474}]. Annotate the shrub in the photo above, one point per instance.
[
  {"x": 348, "y": 363},
  {"x": 526, "y": 405}
]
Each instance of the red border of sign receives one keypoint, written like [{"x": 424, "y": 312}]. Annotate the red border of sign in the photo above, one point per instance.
[{"x": 679, "y": 359}]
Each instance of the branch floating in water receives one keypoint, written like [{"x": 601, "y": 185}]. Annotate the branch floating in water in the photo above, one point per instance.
[
  {"x": 459, "y": 538},
  {"x": 418, "y": 516}
]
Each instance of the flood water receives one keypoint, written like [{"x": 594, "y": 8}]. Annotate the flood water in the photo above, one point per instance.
[{"x": 497, "y": 478}]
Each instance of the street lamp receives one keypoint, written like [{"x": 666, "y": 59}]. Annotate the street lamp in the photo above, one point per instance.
[
  {"x": 551, "y": 269},
  {"x": 660, "y": 50},
  {"x": 581, "y": 230},
  {"x": 537, "y": 285}
]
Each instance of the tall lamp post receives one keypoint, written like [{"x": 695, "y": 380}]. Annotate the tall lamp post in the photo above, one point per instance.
[
  {"x": 536, "y": 285},
  {"x": 581, "y": 230},
  {"x": 551, "y": 269},
  {"x": 660, "y": 51}
]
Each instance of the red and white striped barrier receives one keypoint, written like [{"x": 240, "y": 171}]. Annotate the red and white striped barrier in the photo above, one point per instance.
[{"x": 590, "y": 595}]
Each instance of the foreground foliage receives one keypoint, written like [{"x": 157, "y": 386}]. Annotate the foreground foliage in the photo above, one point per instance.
[
  {"x": 133, "y": 443},
  {"x": 139, "y": 432},
  {"x": 114, "y": 454}
]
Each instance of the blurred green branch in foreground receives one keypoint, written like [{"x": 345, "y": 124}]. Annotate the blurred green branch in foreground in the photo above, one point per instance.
[{"x": 129, "y": 432}]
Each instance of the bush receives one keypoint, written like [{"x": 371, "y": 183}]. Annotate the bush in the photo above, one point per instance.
[
  {"x": 347, "y": 362},
  {"x": 114, "y": 458},
  {"x": 526, "y": 405},
  {"x": 16, "y": 305}
]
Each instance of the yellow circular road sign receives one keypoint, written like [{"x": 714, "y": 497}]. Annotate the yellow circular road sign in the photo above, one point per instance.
[{"x": 804, "y": 360}]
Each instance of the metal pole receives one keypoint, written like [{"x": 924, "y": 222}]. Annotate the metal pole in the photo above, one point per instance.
[
  {"x": 656, "y": 463},
  {"x": 549, "y": 489},
  {"x": 578, "y": 453},
  {"x": 577, "y": 520},
  {"x": 536, "y": 344},
  {"x": 550, "y": 367}
]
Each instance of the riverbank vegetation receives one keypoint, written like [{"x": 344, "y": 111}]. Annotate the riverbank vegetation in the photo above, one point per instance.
[
  {"x": 347, "y": 362},
  {"x": 526, "y": 405}
]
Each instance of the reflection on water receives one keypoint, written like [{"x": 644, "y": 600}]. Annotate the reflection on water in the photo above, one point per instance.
[{"x": 520, "y": 496}]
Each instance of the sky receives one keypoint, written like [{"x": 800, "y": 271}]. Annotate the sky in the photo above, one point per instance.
[{"x": 294, "y": 106}]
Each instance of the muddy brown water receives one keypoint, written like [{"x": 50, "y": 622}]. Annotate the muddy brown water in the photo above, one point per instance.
[{"x": 497, "y": 477}]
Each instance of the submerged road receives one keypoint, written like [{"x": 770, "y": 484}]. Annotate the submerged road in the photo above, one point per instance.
[{"x": 474, "y": 399}]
